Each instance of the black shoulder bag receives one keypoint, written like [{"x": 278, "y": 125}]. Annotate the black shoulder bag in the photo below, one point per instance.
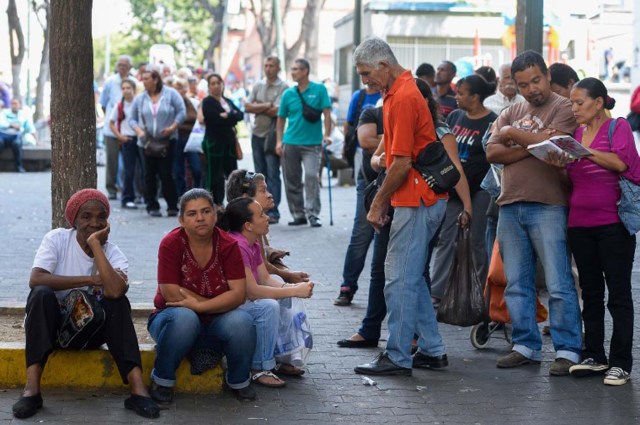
[
  {"x": 309, "y": 113},
  {"x": 436, "y": 168}
]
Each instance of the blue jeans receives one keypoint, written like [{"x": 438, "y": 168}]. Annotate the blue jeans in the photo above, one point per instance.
[
  {"x": 179, "y": 171},
  {"x": 131, "y": 159},
  {"x": 490, "y": 235},
  {"x": 177, "y": 330},
  {"x": 526, "y": 231},
  {"x": 407, "y": 296},
  {"x": 269, "y": 166},
  {"x": 361, "y": 237},
  {"x": 266, "y": 319}
]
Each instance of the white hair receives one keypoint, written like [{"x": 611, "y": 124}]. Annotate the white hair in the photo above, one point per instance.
[{"x": 372, "y": 52}]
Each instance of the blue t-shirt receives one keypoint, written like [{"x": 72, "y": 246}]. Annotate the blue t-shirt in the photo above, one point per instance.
[
  {"x": 300, "y": 131},
  {"x": 369, "y": 101}
]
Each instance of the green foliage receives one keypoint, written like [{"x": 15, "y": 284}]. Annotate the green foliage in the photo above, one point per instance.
[{"x": 184, "y": 24}]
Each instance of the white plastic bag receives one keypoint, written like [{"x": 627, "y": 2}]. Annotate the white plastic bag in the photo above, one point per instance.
[
  {"x": 294, "y": 340},
  {"x": 194, "y": 143}
]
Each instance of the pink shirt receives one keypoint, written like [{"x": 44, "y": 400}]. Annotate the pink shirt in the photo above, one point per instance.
[
  {"x": 250, "y": 253},
  {"x": 593, "y": 200}
]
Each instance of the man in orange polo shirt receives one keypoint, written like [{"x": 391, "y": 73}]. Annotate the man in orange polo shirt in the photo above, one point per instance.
[{"x": 408, "y": 128}]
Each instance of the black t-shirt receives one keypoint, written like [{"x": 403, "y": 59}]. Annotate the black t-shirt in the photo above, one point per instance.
[
  {"x": 370, "y": 116},
  {"x": 469, "y": 133}
]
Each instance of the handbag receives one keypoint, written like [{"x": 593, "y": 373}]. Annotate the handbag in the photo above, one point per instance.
[
  {"x": 436, "y": 168},
  {"x": 629, "y": 203},
  {"x": 156, "y": 147},
  {"x": 309, "y": 113},
  {"x": 83, "y": 317},
  {"x": 194, "y": 142},
  {"x": 270, "y": 139}
]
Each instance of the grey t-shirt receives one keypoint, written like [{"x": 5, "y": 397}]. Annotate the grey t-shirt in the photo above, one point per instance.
[
  {"x": 532, "y": 180},
  {"x": 264, "y": 92}
]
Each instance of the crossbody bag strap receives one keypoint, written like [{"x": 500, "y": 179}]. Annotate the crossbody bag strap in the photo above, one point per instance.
[
  {"x": 301, "y": 98},
  {"x": 612, "y": 126}
]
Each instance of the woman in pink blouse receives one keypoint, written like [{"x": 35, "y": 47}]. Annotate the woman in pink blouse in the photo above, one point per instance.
[{"x": 601, "y": 245}]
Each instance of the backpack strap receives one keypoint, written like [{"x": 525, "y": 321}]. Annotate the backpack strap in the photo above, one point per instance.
[
  {"x": 612, "y": 126},
  {"x": 358, "y": 111}
]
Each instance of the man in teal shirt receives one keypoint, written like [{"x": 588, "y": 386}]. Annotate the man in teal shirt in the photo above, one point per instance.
[
  {"x": 301, "y": 144},
  {"x": 15, "y": 124}
]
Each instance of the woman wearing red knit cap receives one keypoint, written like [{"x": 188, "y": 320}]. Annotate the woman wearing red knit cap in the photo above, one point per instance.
[{"x": 81, "y": 258}]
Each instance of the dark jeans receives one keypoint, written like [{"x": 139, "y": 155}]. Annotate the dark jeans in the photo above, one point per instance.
[
  {"x": 269, "y": 165},
  {"x": 15, "y": 143},
  {"x": 218, "y": 169},
  {"x": 361, "y": 236},
  {"x": 179, "y": 169},
  {"x": 604, "y": 254},
  {"x": 132, "y": 160},
  {"x": 160, "y": 167},
  {"x": 44, "y": 318},
  {"x": 376, "y": 305}
]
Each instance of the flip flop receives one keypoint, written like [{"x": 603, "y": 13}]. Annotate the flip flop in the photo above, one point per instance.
[
  {"x": 256, "y": 378},
  {"x": 289, "y": 370}
]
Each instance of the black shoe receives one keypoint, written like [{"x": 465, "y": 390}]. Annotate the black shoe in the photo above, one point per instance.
[
  {"x": 315, "y": 222},
  {"x": 365, "y": 343},
  {"x": 160, "y": 393},
  {"x": 20, "y": 169},
  {"x": 298, "y": 222},
  {"x": 344, "y": 297},
  {"x": 113, "y": 196},
  {"x": 382, "y": 365},
  {"x": 155, "y": 213},
  {"x": 422, "y": 361},
  {"x": 246, "y": 393},
  {"x": 27, "y": 406},
  {"x": 172, "y": 213},
  {"x": 143, "y": 406}
]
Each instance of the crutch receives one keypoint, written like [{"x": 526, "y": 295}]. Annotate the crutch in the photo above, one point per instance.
[{"x": 326, "y": 155}]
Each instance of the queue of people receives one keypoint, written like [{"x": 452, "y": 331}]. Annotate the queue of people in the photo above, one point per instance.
[{"x": 224, "y": 291}]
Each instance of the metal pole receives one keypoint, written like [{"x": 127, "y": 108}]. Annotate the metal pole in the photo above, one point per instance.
[
  {"x": 279, "y": 42},
  {"x": 357, "y": 35},
  {"x": 534, "y": 25},
  {"x": 28, "y": 97}
]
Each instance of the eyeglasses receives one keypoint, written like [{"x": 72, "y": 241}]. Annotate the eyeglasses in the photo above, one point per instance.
[{"x": 246, "y": 181}]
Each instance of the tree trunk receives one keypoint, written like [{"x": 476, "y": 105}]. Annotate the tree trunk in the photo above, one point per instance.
[
  {"x": 16, "y": 47},
  {"x": 217, "y": 15},
  {"x": 73, "y": 118},
  {"x": 521, "y": 9},
  {"x": 311, "y": 35},
  {"x": 307, "y": 29},
  {"x": 43, "y": 74}
]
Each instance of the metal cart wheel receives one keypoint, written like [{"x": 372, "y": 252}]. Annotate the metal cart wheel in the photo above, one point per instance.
[{"x": 480, "y": 335}]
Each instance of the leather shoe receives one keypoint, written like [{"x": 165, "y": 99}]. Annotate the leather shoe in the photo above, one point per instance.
[
  {"x": 422, "y": 361},
  {"x": 298, "y": 221},
  {"x": 155, "y": 213},
  {"x": 246, "y": 393},
  {"x": 143, "y": 406},
  {"x": 382, "y": 365},
  {"x": 363, "y": 343},
  {"x": 160, "y": 393},
  {"x": 27, "y": 406}
]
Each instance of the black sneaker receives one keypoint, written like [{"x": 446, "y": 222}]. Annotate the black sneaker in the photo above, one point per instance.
[
  {"x": 315, "y": 222},
  {"x": 172, "y": 213},
  {"x": 246, "y": 393},
  {"x": 616, "y": 376},
  {"x": 160, "y": 393},
  {"x": 588, "y": 367},
  {"x": 298, "y": 222},
  {"x": 345, "y": 297},
  {"x": 27, "y": 406},
  {"x": 155, "y": 213}
]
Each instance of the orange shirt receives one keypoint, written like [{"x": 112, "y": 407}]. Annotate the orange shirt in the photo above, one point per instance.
[{"x": 408, "y": 128}]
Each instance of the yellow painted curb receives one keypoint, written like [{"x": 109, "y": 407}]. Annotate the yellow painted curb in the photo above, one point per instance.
[{"x": 90, "y": 369}]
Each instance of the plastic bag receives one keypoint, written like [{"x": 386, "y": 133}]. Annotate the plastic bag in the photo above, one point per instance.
[
  {"x": 294, "y": 340},
  {"x": 463, "y": 303},
  {"x": 194, "y": 143}
]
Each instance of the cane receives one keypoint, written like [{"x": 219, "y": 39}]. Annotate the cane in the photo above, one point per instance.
[{"x": 326, "y": 155}]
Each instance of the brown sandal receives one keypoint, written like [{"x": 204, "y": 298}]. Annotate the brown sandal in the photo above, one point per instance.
[
  {"x": 257, "y": 378},
  {"x": 289, "y": 370}
]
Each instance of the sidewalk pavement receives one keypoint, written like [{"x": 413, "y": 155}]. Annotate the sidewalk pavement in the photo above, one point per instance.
[{"x": 470, "y": 391}]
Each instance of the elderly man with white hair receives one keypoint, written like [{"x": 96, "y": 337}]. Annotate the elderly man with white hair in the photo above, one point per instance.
[
  {"x": 109, "y": 98},
  {"x": 418, "y": 211}
]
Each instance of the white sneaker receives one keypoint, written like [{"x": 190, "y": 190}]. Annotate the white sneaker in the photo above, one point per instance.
[
  {"x": 588, "y": 367},
  {"x": 616, "y": 376}
]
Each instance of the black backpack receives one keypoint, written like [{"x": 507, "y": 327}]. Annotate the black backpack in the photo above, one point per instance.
[{"x": 351, "y": 138}]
